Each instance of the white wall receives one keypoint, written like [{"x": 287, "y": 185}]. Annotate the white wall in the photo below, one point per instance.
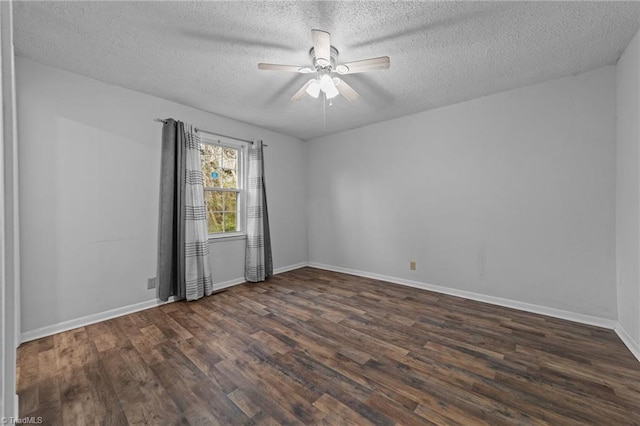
[
  {"x": 510, "y": 195},
  {"x": 89, "y": 185},
  {"x": 628, "y": 190}
]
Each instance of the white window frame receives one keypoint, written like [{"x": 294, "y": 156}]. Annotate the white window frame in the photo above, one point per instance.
[{"x": 241, "y": 190}]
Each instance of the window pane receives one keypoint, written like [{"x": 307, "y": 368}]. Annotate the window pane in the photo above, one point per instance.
[
  {"x": 215, "y": 222},
  {"x": 229, "y": 222},
  {"x": 229, "y": 179},
  {"x": 210, "y": 156},
  {"x": 229, "y": 158},
  {"x": 230, "y": 201},
  {"x": 214, "y": 200},
  {"x": 211, "y": 178}
]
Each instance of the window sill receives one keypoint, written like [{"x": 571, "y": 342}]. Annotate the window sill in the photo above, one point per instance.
[{"x": 215, "y": 238}]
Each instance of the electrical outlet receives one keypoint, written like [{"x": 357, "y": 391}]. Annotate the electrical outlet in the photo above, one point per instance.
[
  {"x": 151, "y": 283},
  {"x": 412, "y": 265}
]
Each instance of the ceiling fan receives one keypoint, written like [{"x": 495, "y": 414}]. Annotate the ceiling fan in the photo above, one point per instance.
[{"x": 324, "y": 59}]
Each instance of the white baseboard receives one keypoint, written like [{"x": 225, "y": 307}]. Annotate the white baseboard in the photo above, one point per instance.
[
  {"x": 227, "y": 284},
  {"x": 626, "y": 338},
  {"x": 129, "y": 309},
  {"x": 290, "y": 268},
  {"x": 89, "y": 319},
  {"x": 528, "y": 307}
]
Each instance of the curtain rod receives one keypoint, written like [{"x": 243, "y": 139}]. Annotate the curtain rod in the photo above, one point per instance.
[{"x": 159, "y": 120}]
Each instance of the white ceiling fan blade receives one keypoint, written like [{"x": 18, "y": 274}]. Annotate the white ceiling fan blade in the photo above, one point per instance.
[
  {"x": 365, "y": 65},
  {"x": 322, "y": 46},
  {"x": 286, "y": 68},
  {"x": 345, "y": 90},
  {"x": 300, "y": 93}
]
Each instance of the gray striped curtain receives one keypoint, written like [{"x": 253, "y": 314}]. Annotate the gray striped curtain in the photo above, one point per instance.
[
  {"x": 198, "y": 281},
  {"x": 183, "y": 246},
  {"x": 258, "y": 260}
]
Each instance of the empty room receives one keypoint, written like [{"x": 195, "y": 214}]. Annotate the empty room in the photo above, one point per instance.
[{"x": 310, "y": 212}]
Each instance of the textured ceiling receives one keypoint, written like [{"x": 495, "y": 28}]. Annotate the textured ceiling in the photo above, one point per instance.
[{"x": 205, "y": 54}]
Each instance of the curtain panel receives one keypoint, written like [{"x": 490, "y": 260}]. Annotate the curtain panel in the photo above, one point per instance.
[
  {"x": 183, "y": 246},
  {"x": 170, "y": 273},
  {"x": 258, "y": 258},
  {"x": 198, "y": 280}
]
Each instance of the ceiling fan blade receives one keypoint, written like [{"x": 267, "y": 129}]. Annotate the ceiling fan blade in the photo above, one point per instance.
[
  {"x": 345, "y": 90},
  {"x": 365, "y": 65},
  {"x": 300, "y": 93},
  {"x": 286, "y": 68},
  {"x": 322, "y": 46}
]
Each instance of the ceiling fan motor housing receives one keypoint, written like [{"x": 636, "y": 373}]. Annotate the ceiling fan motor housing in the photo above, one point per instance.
[{"x": 322, "y": 64}]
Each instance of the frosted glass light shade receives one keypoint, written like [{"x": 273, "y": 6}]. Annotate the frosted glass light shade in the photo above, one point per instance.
[
  {"x": 328, "y": 87},
  {"x": 314, "y": 89}
]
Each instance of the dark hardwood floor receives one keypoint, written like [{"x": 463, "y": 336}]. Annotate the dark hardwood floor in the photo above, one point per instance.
[{"x": 317, "y": 347}]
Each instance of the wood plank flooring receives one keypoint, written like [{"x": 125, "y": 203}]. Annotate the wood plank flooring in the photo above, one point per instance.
[{"x": 317, "y": 347}]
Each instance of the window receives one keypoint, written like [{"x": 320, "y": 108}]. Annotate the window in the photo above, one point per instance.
[{"x": 222, "y": 170}]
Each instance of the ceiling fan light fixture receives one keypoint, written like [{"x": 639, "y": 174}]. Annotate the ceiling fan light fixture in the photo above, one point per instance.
[
  {"x": 328, "y": 86},
  {"x": 332, "y": 94},
  {"x": 313, "y": 89}
]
